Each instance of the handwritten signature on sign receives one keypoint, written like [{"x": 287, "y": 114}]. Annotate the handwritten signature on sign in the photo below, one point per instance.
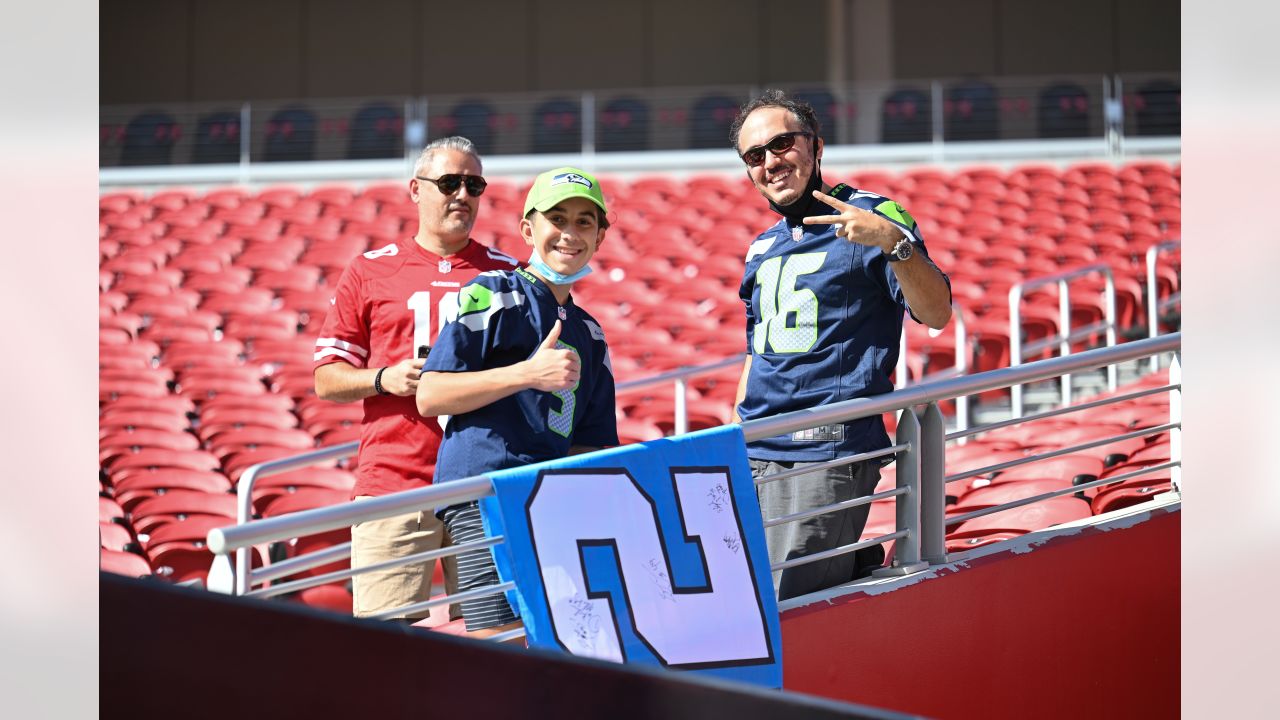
[
  {"x": 733, "y": 542},
  {"x": 660, "y": 579},
  {"x": 718, "y": 498},
  {"x": 586, "y": 624}
]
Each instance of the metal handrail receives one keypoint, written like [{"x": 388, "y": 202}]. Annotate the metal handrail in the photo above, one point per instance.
[
  {"x": 679, "y": 376},
  {"x": 961, "y": 434},
  {"x": 957, "y": 519},
  {"x": 1064, "y": 336},
  {"x": 857, "y": 408},
  {"x": 998, "y": 467},
  {"x": 921, "y": 485},
  {"x": 244, "y": 493},
  {"x": 1153, "y": 308}
]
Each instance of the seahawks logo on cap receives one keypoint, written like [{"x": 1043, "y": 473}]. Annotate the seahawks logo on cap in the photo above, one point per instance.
[{"x": 563, "y": 178}]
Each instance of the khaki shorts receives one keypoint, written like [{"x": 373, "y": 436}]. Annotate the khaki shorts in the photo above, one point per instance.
[{"x": 396, "y": 537}]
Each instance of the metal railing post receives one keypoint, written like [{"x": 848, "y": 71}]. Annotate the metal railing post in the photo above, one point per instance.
[
  {"x": 588, "y": 130},
  {"x": 244, "y": 495},
  {"x": 244, "y": 513},
  {"x": 1015, "y": 346},
  {"x": 933, "y": 485},
  {"x": 1064, "y": 336},
  {"x": 962, "y": 367},
  {"x": 1153, "y": 295},
  {"x": 1109, "y": 308},
  {"x": 681, "y": 407},
  {"x": 900, "y": 370},
  {"x": 244, "y": 143},
  {"x": 1175, "y": 416},
  {"x": 1064, "y": 330},
  {"x": 935, "y": 92},
  {"x": 906, "y": 554}
]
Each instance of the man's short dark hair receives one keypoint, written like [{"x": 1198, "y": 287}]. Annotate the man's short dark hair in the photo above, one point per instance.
[{"x": 802, "y": 111}]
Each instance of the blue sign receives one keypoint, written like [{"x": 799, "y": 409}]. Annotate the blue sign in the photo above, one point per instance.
[{"x": 651, "y": 553}]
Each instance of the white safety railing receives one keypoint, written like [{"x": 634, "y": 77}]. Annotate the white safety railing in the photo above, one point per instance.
[
  {"x": 1065, "y": 336},
  {"x": 679, "y": 378},
  {"x": 1154, "y": 305},
  {"x": 920, "y": 528}
]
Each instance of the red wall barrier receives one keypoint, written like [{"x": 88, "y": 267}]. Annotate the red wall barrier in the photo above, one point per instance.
[{"x": 1082, "y": 624}]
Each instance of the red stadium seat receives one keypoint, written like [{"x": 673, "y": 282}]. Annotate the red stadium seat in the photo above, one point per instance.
[
  {"x": 133, "y": 490},
  {"x": 1131, "y": 492},
  {"x": 182, "y": 562},
  {"x": 123, "y": 563},
  {"x": 1024, "y": 519},
  {"x": 172, "y": 404},
  {"x": 248, "y": 301},
  {"x": 149, "y": 459},
  {"x": 255, "y": 401},
  {"x": 216, "y": 419},
  {"x": 113, "y": 536},
  {"x": 327, "y": 597},
  {"x": 115, "y": 445},
  {"x": 204, "y": 388},
  {"x": 179, "y": 506},
  {"x": 248, "y": 438},
  {"x": 141, "y": 419},
  {"x": 194, "y": 530}
]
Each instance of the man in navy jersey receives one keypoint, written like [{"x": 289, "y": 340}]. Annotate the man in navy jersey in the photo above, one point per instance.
[
  {"x": 825, "y": 289},
  {"x": 523, "y": 372},
  {"x": 387, "y": 308}
]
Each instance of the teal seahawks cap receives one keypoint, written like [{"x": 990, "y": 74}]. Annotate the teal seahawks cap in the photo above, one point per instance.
[{"x": 554, "y": 186}]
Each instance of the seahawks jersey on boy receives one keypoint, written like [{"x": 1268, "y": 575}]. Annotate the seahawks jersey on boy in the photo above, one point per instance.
[
  {"x": 502, "y": 319},
  {"x": 824, "y": 319}
]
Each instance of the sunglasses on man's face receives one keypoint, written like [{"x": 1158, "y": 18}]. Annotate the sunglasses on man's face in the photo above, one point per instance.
[
  {"x": 450, "y": 183},
  {"x": 754, "y": 157}
]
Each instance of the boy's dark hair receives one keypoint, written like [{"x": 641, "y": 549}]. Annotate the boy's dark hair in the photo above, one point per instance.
[
  {"x": 601, "y": 220},
  {"x": 802, "y": 111}
]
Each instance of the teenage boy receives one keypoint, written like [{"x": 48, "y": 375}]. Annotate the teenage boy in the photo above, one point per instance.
[{"x": 523, "y": 372}]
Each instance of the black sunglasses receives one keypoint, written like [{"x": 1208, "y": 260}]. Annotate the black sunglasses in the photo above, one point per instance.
[
  {"x": 778, "y": 145},
  {"x": 450, "y": 183}
]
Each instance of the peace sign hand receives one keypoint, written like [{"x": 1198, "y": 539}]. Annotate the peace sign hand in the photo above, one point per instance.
[{"x": 857, "y": 225}]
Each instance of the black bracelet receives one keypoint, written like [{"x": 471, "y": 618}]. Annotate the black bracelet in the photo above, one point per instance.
[{"x": 377, "y": 382}]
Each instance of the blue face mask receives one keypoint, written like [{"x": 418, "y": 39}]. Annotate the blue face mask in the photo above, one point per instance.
[{"x": 544, "y": 270}]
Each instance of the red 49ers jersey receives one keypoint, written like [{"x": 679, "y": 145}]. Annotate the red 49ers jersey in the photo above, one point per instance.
[{"x": 388, "y": 303}]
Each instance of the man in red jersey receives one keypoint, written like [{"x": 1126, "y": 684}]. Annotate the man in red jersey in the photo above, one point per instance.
[{"x": 387, "y": 309}]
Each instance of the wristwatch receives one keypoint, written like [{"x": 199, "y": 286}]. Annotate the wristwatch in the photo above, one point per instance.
[{"x": 901, "y": 251}]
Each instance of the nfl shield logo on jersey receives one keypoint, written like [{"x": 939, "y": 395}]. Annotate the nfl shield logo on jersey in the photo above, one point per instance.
[
  {"x": 445, "y": 266},
  {"x": 564, "y": 315}
]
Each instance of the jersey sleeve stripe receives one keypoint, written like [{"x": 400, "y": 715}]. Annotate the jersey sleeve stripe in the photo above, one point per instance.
[
  {"x": 342, "y": 345},
  {"x": 335, "y": 352},
  {"x": 501, "y": 256},
  {"x": 478, "y": 321}
]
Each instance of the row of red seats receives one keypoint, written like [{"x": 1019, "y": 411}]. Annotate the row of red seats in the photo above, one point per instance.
[{"x": 997, "y": 487}]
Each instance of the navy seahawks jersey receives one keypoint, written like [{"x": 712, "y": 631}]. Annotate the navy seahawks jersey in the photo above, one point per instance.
[
  {"x": 824, "y": 319},
  {"x": 503, "y": 316}
]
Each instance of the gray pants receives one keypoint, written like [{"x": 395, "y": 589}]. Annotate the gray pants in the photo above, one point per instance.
[{"x": 831, "y": 530}]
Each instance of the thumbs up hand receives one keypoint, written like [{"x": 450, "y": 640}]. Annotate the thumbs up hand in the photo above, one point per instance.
[{"x": 551, "y": 368}]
